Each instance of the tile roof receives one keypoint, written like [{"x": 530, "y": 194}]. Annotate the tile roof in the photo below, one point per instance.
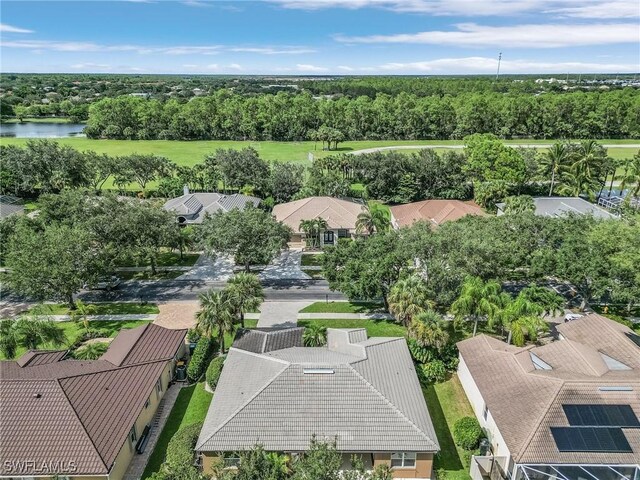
[
  {"x": 507, "y": 377},
  {"x": 368, "y": 398},
  {"x": 435, "y": 212},
  {"x": 85, "y": 409},
  {"x": 561, "y": 206},
  {"x": 199, "y": 204},
  {"x": 338, "y": 212},
  {"x": 262, "y": 340}
]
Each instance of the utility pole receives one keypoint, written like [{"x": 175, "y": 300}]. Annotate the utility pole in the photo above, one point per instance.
[{"x": 499, "y": 58}]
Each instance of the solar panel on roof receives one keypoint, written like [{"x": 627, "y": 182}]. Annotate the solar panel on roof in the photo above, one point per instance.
[
  {"x": 590, "y": 439},
  {"x": 601, "y": 416}
]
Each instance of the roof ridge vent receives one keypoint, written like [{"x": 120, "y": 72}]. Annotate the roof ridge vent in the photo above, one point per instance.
[{"x": 318, "y": 371}]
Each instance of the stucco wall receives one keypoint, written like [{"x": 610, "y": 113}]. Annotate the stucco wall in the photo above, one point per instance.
[{"x": 423, "y": 469}]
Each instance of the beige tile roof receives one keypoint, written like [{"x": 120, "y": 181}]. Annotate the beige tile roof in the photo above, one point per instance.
[
  {"x": 435, "y": 212},
  {"x": 526, "y": 402},
  {"x": 338, "y": 212}
]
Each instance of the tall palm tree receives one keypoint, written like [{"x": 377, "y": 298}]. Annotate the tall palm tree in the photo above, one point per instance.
[
  {"x": 314, "y": 335},
  {"x": 35, "y": 332},
  {"x": 409, "y": 297},
  {"x": 478, "y": 300},
  {"x": 517, "y": 314},
  {"x": 428, "y": 330},
  {"x": 312, "y": 229},
  {"x": 372, "y": 221},
  {"x": 216, "y": 314},
  {"x": 554, "y": 160},
  {"x": 245, "y": 292},
  {"x": 531, "y": 325},
  {"x": 631, "y": 175},
  {"x": 589, "y": 159},
  {"x": 81, "y": 313}
]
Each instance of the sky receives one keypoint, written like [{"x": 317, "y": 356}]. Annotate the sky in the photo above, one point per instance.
[{"x": 321, "y": 37}]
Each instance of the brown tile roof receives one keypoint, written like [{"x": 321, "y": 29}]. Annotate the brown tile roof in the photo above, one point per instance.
[
  {"x": 41, "y": 357},
  {"x": 435, "y": 212},
  {"x": 86, "y": 408},
  {"x": 338, "y": 212},
  {"x": 143, "y": 344},
  {"x": 525, "y": 402}
]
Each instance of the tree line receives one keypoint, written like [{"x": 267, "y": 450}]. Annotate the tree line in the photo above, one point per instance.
[{"x": 226, "y": 115}]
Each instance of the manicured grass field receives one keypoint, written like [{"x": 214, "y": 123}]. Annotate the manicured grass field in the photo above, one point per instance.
[
  {"x": 191, "y": 407},
  {"x": 38, "y": 120},
  {"x": 190, "y": 153},
  {"x": 342, "y": 307},
  {"x": 106, "y": 308},
  {"x": 375, "y": 328},
  {"x": 73, "y": 329},
  {"x": 447, "y": 403}
]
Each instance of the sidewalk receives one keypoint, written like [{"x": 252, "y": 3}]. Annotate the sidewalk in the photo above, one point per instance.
[{"x": 107, "y": 318}]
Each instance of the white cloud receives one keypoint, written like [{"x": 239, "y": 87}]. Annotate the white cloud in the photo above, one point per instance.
[
  {"x": 235, "y": 66},
  {"x": 272, "y": 50},
  {"x": 490, "y": 65},
  {"x": 303, "y": 67},
  {"x": 89, "y": 66},
  {"x": 346, "y": 68},
  {"x": 4, "y": 28},
  {"x": 578, "y": 8},
  {"x": 529, "y": 36}
]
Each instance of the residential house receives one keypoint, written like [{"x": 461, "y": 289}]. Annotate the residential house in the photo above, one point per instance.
[
  {"x": 434, "y": 212},
  {"x": 191, "y": 208},
  {"x": 361, "y": 392},
  {"x": 341, "y": 215},
  {"x": 562, "y": 411},
  {"x": 563, "y": 206},
  {"x": 74, "y": 419}
]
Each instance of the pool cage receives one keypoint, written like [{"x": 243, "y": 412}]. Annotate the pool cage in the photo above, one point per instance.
[{"x": 577, "y": 472}]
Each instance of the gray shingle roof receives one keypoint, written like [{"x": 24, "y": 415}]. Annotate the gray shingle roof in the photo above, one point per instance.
[
  {"x": 561, "y": 206},
  {"x": 194, "y": 206},
  {"x": 371, "y": 402}
]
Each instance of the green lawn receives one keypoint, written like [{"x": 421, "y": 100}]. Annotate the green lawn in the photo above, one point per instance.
[
  {"x": 447, "y": 403},
  {"x": 106, "y": 308},
  {"x": 375, "y": 328},
  {"x": 37, "y": 120},
  {"x": 342, "y": 307},
  {"x": 311, "y": 259},
  {"x": 191, "y": 407},
  {"x": 73, "y": 329},
  {"x": 317, "y": 274}
]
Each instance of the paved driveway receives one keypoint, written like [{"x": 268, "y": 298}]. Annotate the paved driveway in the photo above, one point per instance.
[
  {"x": 280, "y": 314},
  {"x": 285, "y": 267},
  {"x": 206, "y": 269}
]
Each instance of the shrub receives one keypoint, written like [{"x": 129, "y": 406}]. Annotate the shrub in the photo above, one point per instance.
[
  {"x": 434, "y": 371},
  {"x": 200, "y": 358},
  {"x": 213, "y": 372},
  {"x": 467, "y": 433},
  {"x": 193, "y": 335},
  {"x": 180, "y": 454},
  {"x": 90, "y": 334}
]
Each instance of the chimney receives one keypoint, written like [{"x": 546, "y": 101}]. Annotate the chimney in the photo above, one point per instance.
[{"x": 185, "y": 190}]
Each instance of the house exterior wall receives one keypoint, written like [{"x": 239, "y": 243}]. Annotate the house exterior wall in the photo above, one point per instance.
[
  {"x": 423, "y": 469},
  {"x": 498, "y": 444}
]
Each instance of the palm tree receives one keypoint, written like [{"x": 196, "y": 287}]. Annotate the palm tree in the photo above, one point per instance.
[
  {"x": 371, "y": 221},
  {"x": 550, "y": 302},
  {"x": 631, "y": 175},
  {"x": 216, "y": 314},
  {"x": 428, "y": 330},
  {"x": 245, "y": 292},
  {"x": 589, "y": 159},
  {"x": 91, "y": 351},
  {"x": 554, "y": 161},
  {"x": 314, "y": 335},
  {"x": 518, "y": 314},
  {"x": 409, "y": 297},
  {"x": 35, "y": 332},
  {"x": 530, "y": 325},
  {"x": 81, "y": 313},
  {"x": 9, "y": 338},
  {"x": 184, "y": 239},
  {"x": 478, "y": 300},
  {"x": 312, "y": 229}
]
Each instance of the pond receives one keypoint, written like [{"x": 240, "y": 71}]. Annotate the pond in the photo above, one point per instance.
[{"x": 41, "y": 130}]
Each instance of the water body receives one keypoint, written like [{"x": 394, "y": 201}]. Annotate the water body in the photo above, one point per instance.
[{"x": 41, "y": 130}]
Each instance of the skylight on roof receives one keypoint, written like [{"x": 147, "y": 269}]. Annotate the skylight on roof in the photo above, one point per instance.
[
  {"x": 538, "y": 363},
  {"x": 615, "y": 388},
  {"x": 614, "y": 364},
  {"x": 318, "y": 371}
]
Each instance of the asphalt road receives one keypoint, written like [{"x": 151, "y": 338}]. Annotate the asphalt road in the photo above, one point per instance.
[{"x": 186, "y": 290}]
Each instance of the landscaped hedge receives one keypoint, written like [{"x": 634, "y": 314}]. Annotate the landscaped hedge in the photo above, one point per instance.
[
  {"x": 179, "y": 462},
  {"x": 200, "y": 358},
  {"x": 213, "y": 372},
  {"x": 467, "y": 433}
]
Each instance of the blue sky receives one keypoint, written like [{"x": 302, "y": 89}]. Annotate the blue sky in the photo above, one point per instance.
[{"x": 278, "y": 37}]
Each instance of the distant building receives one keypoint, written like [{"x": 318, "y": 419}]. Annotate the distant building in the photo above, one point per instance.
[
  {"x": 191, "y": 208},
  {"x": 567, "y": 410},
  {"x": 562, "y": 206},
  {"x": 434, "y": 212}
]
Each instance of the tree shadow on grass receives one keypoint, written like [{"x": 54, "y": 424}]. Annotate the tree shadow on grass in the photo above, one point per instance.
[
  {"x": 170, "y": 428},
  {"x": 448, "y": 457}
]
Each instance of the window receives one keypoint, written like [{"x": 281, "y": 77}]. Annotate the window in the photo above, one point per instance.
[
  {"x": 146, "y": 404},
  {"x": 343, "y": 233},
  {"x": 231, "y": 460},
  {"x": 403, "y": 460},
  {"x": 485, "y": 412},
  {"x": 133, "y": 435},
  {"x": 159, "y": 386},
  {"x": 328, "y": 236}
]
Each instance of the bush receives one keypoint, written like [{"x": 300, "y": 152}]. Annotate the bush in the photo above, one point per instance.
[
  {"x": 213, "y": 372},
  {"x": 180, "y": 454},
  {"x": 90, "y": 334},
  {"x": 200, "y": 358},
  {"x": 434, "y": 372},
  {"x": 467, "y": 433}
]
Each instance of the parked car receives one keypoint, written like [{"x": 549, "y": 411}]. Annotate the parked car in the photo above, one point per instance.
[{"x": 107, "y": 283}]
